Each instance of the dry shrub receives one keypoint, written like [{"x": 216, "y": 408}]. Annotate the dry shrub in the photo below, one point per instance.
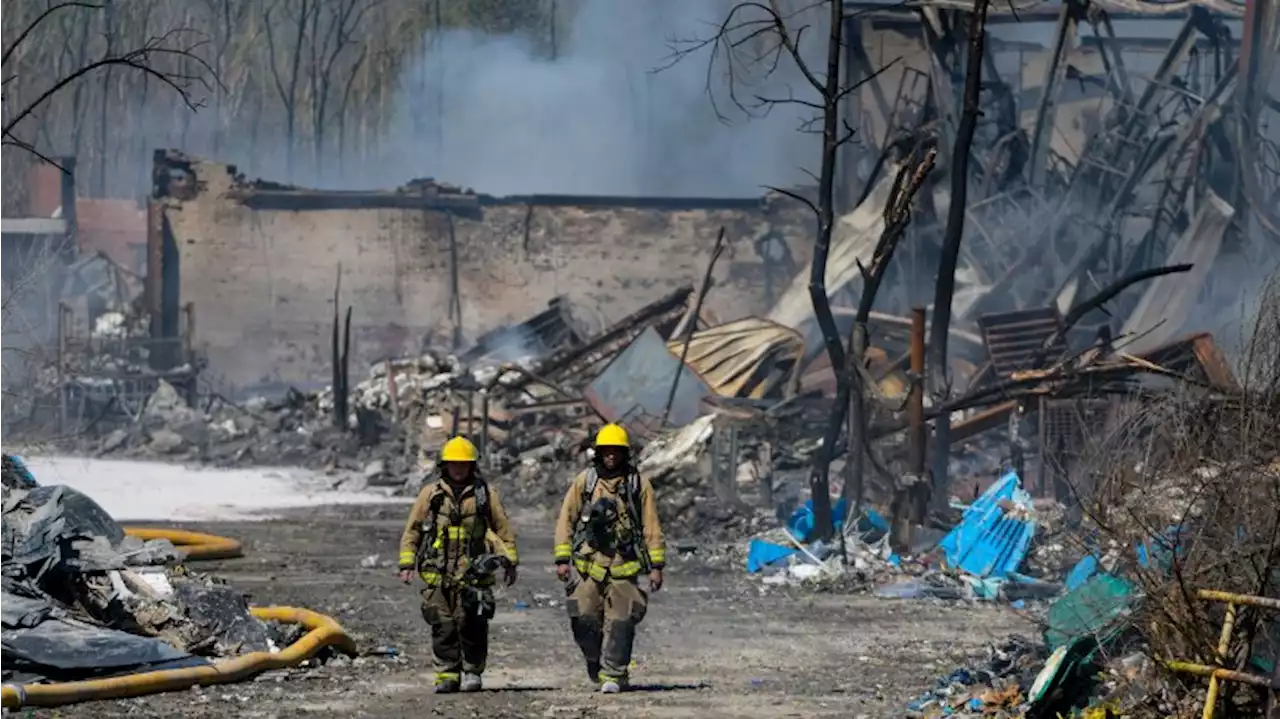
[{"x": 1195, "y": 475}]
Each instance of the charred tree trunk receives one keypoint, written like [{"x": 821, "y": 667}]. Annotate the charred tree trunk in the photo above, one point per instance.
[
  {"x": 819, "y": 484},
  {"x": 897, "y": 216},
  {"x": 338, "y": 359},
  {"x": 946, "y": 280}
]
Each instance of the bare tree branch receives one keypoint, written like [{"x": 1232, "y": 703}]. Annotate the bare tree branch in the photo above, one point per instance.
[
  {"x": 751, "y": 23},
  {"x": 146, "y": 59}
]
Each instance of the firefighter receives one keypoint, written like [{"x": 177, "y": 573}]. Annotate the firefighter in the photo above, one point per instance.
[
  {"x": 607, "y": 535},
  {"x": 455, "y": 529}
]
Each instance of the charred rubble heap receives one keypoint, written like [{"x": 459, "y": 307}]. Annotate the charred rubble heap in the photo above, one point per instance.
[
  {"x": 104, "y": 362},
  {"x": 83, "y": 599}
]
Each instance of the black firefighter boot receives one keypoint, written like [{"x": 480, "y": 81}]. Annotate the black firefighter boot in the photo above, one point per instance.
[
  {"x": 587, "y": 635},
  {"x": 617, "y": 656}
]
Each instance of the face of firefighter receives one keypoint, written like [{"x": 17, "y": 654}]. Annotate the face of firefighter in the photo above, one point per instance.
[
  {"x": 457, "y": 472},
  {"x": 610, "y": 457}
]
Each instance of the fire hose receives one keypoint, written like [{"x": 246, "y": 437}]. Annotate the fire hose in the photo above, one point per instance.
[
  {"x": 196, "y": 545},
  {"x": 322, "y": 631}
]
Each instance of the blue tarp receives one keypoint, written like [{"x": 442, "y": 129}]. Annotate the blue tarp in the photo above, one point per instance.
[
  {"x": 801, "y": 522},
  {"x": 1080, "y": 573},
  {"x": 989, "y": 542},
  {"x": 1155, "y": 551},
  {"x": 761, "y": 553}
]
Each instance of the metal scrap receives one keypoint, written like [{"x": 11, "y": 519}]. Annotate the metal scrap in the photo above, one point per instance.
[{"x": 751, "y": 357}]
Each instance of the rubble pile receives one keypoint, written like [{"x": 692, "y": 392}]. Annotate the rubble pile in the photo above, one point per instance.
[
  {"x": 531, "y": 409},
  {"x": 1021, "y": 678},
  {"x": 82, "y": 599},
  {"x": 678, "y": 466},
  {"x": 996, "y": 688}
]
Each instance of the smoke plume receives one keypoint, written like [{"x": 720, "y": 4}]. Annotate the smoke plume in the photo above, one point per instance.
[{"x": 599, "y": 118}]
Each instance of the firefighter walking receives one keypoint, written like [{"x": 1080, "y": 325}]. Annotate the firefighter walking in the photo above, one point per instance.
[
  {"x": 455, "y": 539},
  {"x": 608, "y": 534}
]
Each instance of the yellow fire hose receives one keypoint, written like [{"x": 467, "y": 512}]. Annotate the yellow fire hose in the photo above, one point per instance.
[
  {"x": 322, "y": 631},
  {"x": 197, "y": 545}
]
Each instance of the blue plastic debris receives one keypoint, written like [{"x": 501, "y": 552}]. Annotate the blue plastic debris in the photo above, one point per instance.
[
  {"x": 1158, "y": 550},
  {"x": 872, "y": 523},
  {"x": 521, "y": 604},
  {"x": 989, "y": 542},
  {"x": 1080, "y": 573},
  {"x": 984, "y": 587},
  {"x": 801, "y": 522},
  {"x": 761, "y": 554},
  {"x": 1093, "y": 611}
]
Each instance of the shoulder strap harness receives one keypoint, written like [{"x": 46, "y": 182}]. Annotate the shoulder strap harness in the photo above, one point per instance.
[
  {"x": 630, "y": 489},
  {"x": 431, "y": 526},
  {"x": 630, "y": 497}
]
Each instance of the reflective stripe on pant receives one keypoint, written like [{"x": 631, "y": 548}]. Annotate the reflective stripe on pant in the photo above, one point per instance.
[
  {"x": 604, "y": 616},
  {"x": 459, "y": 633}
]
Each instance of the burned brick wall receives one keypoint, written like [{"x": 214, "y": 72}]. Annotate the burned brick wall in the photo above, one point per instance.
[{"x": 262, "y": 279}]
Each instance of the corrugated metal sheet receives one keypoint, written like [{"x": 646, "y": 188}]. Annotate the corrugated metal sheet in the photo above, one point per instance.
[
  {"x": 633, "y": 389},
  {"x": 751, "y": 357},
  {"x": 995, "y": 534},
  {"x": 1014, "y": 338},
  {"x": 854, "y": 238},
  {"x": 1163, "y": 309}
]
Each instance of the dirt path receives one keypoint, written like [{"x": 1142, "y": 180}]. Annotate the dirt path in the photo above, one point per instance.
[{"x": 714, "y": 644}]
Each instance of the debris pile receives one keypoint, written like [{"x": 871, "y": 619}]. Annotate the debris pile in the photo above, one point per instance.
[
  {"x": 997, "y": 688},
  {"x": 105, "y": 361},
  {"x": 530, "y": 396},
  {"x": 980, "y": 557},
  {"x": 83, "y": 599}
]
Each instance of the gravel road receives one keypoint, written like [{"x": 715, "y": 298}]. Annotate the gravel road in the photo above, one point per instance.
[{"x": 715, "y": 643}]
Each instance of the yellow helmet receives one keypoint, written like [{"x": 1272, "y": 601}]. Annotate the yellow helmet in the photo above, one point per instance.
[
  {"x": 458, "y": 449},
  {"x": 612, "y": 435}
]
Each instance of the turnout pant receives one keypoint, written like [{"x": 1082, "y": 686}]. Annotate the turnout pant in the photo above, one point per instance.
[
  {"x": 604, "y": 616},
  {"x": 459, "y": 617}
]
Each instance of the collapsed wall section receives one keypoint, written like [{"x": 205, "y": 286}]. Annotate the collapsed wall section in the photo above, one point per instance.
[{"x": 260, "y": 264}]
